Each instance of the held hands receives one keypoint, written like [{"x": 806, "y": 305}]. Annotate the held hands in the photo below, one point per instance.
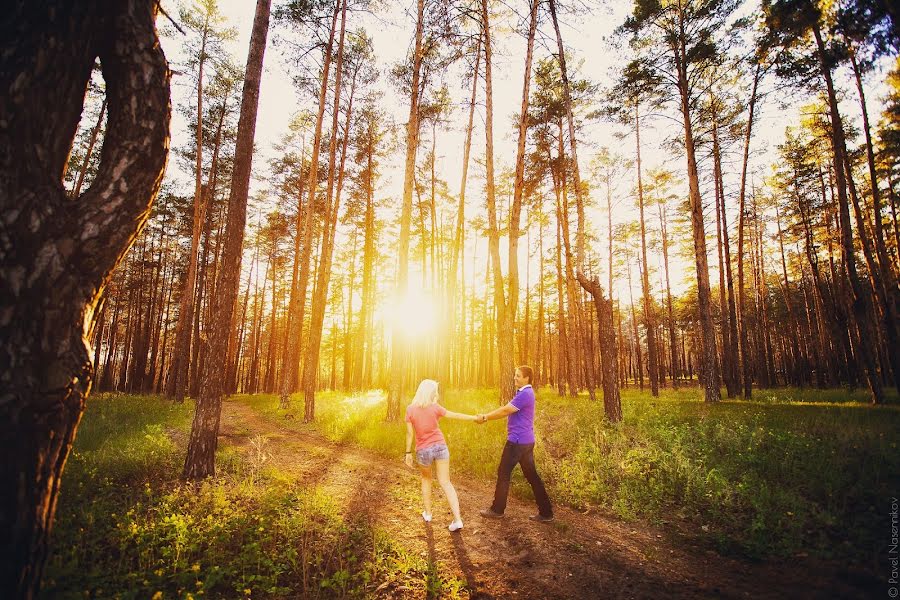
[{"x": 480, "y": 419}]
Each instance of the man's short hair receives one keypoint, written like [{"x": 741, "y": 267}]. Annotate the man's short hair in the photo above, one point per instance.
[{"x": 526, "y": 372}]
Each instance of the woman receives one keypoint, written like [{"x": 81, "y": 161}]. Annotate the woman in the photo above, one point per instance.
[{"x": 422, "y": 422}]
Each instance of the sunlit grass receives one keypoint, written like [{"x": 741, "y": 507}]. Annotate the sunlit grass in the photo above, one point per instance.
[
  {"x": 127, "y": 527},
  {"x": 789, "y": 471}
]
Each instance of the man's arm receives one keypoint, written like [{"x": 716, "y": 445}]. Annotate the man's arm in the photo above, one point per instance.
[{"x": 500, "y": 413}]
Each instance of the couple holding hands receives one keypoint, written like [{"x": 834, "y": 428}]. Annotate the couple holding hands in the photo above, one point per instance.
[{"x": 422, "y": 416}]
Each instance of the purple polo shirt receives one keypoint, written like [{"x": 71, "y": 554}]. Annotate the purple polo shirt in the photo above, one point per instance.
[{"x": 520, "y": 424}]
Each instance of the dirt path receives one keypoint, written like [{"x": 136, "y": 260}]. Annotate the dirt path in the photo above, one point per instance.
[{"x": 577, "y": 556}]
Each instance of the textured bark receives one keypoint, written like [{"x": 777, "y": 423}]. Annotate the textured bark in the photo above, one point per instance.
[
  {"x": 200, "y": 461},
  {"x": 609, "y": 355},
  {"x": 56, "y": 254}
]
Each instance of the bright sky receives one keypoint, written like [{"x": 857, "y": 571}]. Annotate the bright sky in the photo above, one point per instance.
[{"x": 587, "y": 39}]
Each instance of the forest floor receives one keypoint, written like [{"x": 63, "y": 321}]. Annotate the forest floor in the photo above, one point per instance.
[{"x": 579, "y": 555}]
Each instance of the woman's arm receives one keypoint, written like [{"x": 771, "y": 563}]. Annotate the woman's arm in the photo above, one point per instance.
[
  {"x": 460, "y": 416},
  {"x": 410, "y": 434}
]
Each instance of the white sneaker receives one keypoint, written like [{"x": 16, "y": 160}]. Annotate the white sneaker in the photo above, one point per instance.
[
  {"x": 455, "y": 525},
  {"x": 426, "y": 516}
]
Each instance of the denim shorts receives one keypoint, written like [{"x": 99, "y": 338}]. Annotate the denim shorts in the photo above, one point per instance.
[{"x": 426, "y": 456}]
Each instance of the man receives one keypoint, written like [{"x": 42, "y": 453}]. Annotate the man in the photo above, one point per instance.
[{"x": 519, "y": 449}]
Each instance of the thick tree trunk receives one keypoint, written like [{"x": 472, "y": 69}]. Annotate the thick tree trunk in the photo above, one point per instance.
[
  {"x": 200, "y": 461},
  {"x": 59, "y": 254}
]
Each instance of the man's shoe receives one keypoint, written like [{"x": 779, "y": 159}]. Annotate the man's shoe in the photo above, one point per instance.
[
  {"x": 489, "y": 513},
  {"x": 541, "y": 518}
]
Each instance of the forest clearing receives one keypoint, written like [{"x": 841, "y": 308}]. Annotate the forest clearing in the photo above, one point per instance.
[
  {"x": 265, "y": 267},
  {"x": 339, "y": 493}
]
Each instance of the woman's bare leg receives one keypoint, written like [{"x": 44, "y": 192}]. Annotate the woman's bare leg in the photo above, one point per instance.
[
  {"x": 425, "y": 472},
  {"x": 443, "y": 475}
]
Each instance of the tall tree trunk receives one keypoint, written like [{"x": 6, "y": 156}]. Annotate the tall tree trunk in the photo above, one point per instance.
[
  {"x": 723, "y": 255},
  {"x": 747, "y": 387},
  {"x": 664, "y": 234},
  {"x": 581, "y": 329},
  {"x": 506, "y": 306},
  {"x": 398, "y": 343},
  {"x": 860, "y": 306},
  {"x": 59, "y": 255},
  {"x": 300, "y": 280},
  {"x": 329, "y": 226},
  {"x": 712, "y": 392},
  {"x": 609, "y": 356},
  {"x": 457, "y": 259},
  {"x": 649, "y": 320},
  {"x": 889, "y": 295},
  {"x": 200, "y": 461},
  {"x": 95, "y": 132},
  {"x": 180, "y": 358}
]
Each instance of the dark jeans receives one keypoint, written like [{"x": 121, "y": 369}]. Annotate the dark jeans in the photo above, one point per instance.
[{"x": 523, "y": 455}]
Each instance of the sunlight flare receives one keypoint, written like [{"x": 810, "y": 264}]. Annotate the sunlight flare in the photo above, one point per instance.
[{"x": 414, "y": 314}]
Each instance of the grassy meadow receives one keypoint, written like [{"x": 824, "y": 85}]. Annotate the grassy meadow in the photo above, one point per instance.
[
  {"x": 127, "y": 527},
  {"x": 790, "y": 472}
]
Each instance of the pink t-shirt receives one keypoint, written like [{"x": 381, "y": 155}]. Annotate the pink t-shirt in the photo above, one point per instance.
[{"x": 425, "y": 422}]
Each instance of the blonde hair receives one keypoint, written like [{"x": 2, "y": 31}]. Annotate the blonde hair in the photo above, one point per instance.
[{"x": 427, "y": 393}]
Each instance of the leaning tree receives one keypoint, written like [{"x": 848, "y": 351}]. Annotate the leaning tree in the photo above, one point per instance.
[{"x": 57, "y": 252}]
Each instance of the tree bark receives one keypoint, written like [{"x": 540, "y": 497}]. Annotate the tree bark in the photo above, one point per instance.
[
  {"x": 180, "y": 358},
  {"x": 712, "y": 392},
  {"x": 860, "y": 305},
  {"x": 609, "y": 355},
  {"x": 200, "y": 461},
  {"x": 58, "y": 254}
]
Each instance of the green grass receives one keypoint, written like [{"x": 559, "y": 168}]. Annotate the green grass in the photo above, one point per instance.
[
  {"x": 792, "y": 471},
  {"x": 127, "y": 527}
]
